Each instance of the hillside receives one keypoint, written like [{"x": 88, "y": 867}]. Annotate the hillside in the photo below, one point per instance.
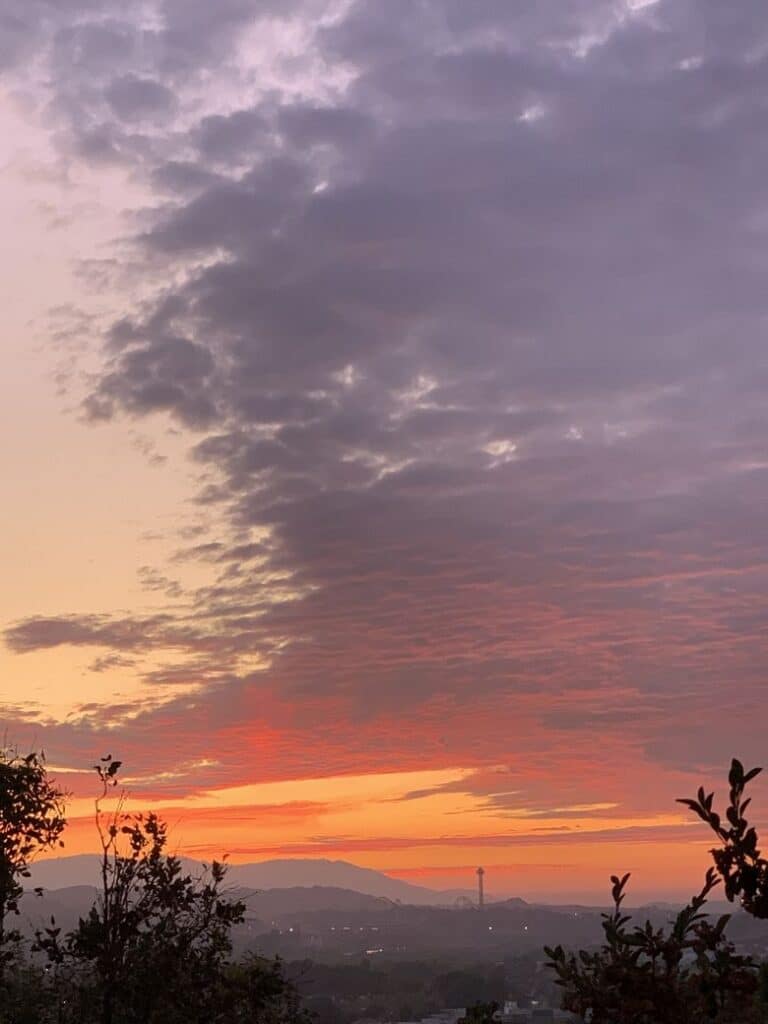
[{"x": 336, "y": 923}]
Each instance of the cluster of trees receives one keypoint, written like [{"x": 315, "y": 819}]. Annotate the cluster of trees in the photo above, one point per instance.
[
  {"x": 156, "y": 943},
  {"x": 690, "y": 974},
  {"x": 405, "y": 989}
]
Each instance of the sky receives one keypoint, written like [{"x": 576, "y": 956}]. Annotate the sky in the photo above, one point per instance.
[{"x": 383, "y": 387}]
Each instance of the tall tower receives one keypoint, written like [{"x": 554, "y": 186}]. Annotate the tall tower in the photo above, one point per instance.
[{"x": 480, "y": 892}]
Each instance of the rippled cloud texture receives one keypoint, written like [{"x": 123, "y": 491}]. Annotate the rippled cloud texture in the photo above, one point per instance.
[{"x": 459, "y": 309}]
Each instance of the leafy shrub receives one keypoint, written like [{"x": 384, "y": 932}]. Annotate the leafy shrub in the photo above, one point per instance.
[{"x": 690, "y": 973}]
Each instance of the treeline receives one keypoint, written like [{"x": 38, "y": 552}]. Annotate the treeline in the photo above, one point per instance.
[
  {"x": 156, "y": 944},
  {"x": 406, "y": 990}
]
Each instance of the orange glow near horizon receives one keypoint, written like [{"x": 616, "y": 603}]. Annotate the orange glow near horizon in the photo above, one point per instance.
[{"x": 432, "y": 839}]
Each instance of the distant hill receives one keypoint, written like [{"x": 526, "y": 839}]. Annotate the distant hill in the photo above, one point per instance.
[
  {"x": 65, "y": 872},
  {"x": 514, "y": 902},
  {"x": 270, "y": 906},
  {"x": 337, "y": 874},
  {"x": 296, "y": 921},
  {"x": 336, "y": 923},
  {"x": 275, "y": 904},
  {"x": 66, "y": 905}
]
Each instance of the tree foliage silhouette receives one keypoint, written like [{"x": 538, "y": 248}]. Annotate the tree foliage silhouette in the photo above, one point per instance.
[
  {"x": 156, "y": 944},
  {"x": 738, "y": 860},
  {"x": 480, "y": 1013},
  {"x": 691, "y": 973},
  {"x": 31, "y": 821},
  {"x": 151, "y": 919},
  {"x": 644, "y": 975}
]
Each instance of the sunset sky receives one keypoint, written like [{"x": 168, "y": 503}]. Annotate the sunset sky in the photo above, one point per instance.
[{"x": 384, "y": 403}]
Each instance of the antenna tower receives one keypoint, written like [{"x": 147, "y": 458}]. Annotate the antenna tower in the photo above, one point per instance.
[{"x": 480, "y": 890}]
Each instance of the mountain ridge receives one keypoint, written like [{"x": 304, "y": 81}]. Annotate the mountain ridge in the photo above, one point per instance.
[{"x": 280, "y": 873}]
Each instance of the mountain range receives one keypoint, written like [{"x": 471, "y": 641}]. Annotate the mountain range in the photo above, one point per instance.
[
  {"x": 83, "y": 870},
  {"x": 335, "y": 910}
]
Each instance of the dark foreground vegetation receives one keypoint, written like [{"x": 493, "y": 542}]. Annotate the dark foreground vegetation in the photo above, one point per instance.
[
  {"x": 689, "y": 973},
  {"x": 160, "y": 944},
  {"x": 156, "y": 944},
  {"x": 410, "y": 990}
]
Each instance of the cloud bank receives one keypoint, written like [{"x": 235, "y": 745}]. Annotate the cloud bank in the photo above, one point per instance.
[{"x": 464, "y": 319}]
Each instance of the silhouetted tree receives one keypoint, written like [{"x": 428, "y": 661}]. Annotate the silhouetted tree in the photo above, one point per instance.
[
  {"x": 738, "y": 860},
  {"x": 460, "y": 987},
  {"x": 644, "y": 975},
  {"x": 480, "y": 1013},
  {"x": 692, "y": 973},
  {"x": 151, "y": 921},
  {"x": 31, "y": 821},
  {"x": 155, "y": 946},
  {"x": 256, "y": 991}
]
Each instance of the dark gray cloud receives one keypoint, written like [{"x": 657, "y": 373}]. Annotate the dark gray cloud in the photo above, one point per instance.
[
  {"x": 84, "y": 630},
  {"x": 476, "y": 342},
  {"x": 195, "y": 33},
  {"x": 134, "y": 99},
  {"x": 228, "y": 137},
  {"x": 172, "y": 374},
  {"x": 108, "y": 78}
]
